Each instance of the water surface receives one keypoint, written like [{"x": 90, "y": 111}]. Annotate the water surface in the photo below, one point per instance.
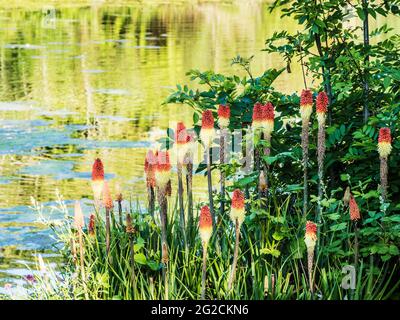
[{"x": 89, "y": 83}]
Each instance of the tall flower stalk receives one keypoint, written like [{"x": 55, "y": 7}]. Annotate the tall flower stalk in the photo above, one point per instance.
[
  {"x": 188, "y": 170},
  {"x": 108, "y": 205},
  {"x": 306, "y": 106},
  {"x": 205, "y": 230},
  {"x": 162, "y": 178},
  {"x": 182, "y": 140},
  {"x": 384, "y": 149},
  {"x": 321, "y": 110},
  {"x": 237, "y": 216},
  {"x": 207, "y": 134},
  {"x": 130, "y": 230},
  {"x": 79, "y": 223},
  {"x": 97, "y": 181},
  {"x": 310, "y": 239},
  {"x": 149, "y": 168},
  {"x": 354, "y": 217},
  {"x": 224, "y": 113}
]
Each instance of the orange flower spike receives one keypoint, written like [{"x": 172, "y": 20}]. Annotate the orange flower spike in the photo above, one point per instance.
[
  {"x": 162, "y": 169},
  {"x": 384, "y": 142},
  {"x": 306, "y": 105},
  {"x": 207, "y": 131},
  {"x": 205, "y": 225},
  {"x": 97, "y": 178},
  {"x": 322, "y": 107},
  {"x": 354, "y": 210},
  {"x": 238, "y": 208},
  {"x": 107, "y": 200},
  {"x": 224, "y": 113}
]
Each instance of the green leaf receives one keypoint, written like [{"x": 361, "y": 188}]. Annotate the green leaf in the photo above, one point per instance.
[
  {"x": 338, "y": 227},
  {"x": 361, "y": 13},
  {"x": 393, "y": 250},
  {"x": 196, "y": 118},
  {"x": 140, "y": 258},
  {"x": 270, "y": 251}
]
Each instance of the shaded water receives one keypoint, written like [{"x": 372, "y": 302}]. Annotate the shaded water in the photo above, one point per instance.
[{"x": 90, "y": 83}]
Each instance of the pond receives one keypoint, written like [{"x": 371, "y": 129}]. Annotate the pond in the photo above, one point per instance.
[{"x": 86, "y": 81}]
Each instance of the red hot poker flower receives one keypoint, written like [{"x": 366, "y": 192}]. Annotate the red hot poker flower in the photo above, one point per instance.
[
  {"x": 224, "y": 113},
  {"x": 207, "y": 131},
  {"x": 268, "y": 119},
  {"x": 181, "y": 135},
  {"x": 207, "y": 120},
  {"x": 384, "y": 142},
  {"x": 322, "y": 102},
  {"x": 205, "y": 224},
  {"x": 354, "y": 210},
  {"x": 258, "y": 112},
  {"x": 384, "y": 135},
  {"x": 97, "y": 178},
  {"x": 163, "y": 169},
  {"x": 306, "y": 97},
  {"x": 306, "y": 103},
  {"x": 310, "y": 237},
  {"x": 268, "y": 111},
  {"x": 97, "y": 170},
  {"x": 238, "y": 209}
]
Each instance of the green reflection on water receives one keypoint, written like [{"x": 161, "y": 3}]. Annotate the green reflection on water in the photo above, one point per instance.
[{"x": 107, "y": 69}]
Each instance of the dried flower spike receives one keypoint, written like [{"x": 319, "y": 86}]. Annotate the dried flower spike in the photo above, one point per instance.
[
  {"x": 92, "y": 225},
  {"x": 205, "y": 224},
  {"x": 207, "y": 132},
  {"x": 384, "y": 142},
  {"x": 306, "y": 105},
  {"x": 224, "y": 113},
  {"x": 238, "y": 209},
  {"x": 346, "y": 196},
  {"x": 354, "y": 210},
  {"x": 262, "y": 182},
  {"x": 79, "y": 221},
  {"x": 129, "y": 226}
]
